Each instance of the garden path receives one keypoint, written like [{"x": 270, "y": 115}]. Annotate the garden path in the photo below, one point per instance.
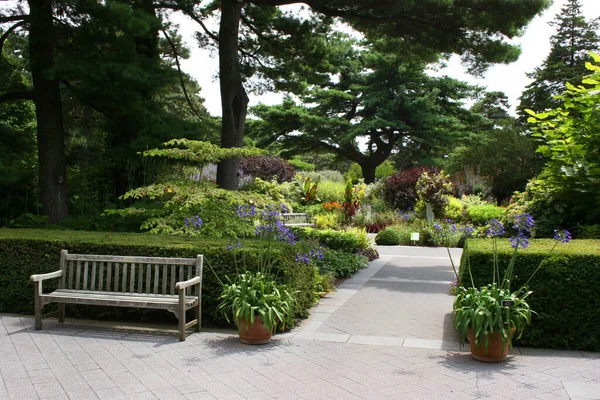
[{"x": 402, "y": 299}]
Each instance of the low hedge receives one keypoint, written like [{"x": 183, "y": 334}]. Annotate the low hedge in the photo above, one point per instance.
[
  {"x": 342, "y": 241},
  {"x": 25, "y": 252},
  {"x": 565, "y": 290}
]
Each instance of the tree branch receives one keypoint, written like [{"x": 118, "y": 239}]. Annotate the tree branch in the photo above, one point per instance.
[
  {"x": 6, "y": 34},
  {"x": 187, "y": 97},
  {"x": 16, "y": 95},
  {"x": 12, "y": 18},
  {"x": 190, "y": 13}
]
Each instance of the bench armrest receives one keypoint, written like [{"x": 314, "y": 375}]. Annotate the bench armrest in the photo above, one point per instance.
[
  {"x": 185, "y": 284},
  {"x": 49, "y": 275}
]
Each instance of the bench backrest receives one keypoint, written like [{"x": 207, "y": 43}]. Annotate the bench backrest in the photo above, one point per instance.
[
  {"x": 291, "y": 219},
  {"x": 157, "y": 275}
]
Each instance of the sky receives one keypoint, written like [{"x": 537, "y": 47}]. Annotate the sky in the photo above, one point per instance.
[{"x": 512, "y": 79}]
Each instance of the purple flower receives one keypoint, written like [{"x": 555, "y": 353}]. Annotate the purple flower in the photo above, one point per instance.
[
  {"x": 303, "y": 258},
  {"x": 318, "y": 253},
  {"x": 284, "y": 208},
  {"x": 523, "y": 223},
  {"x": 438, "y": 229},
  {"x": 495, "y": 228},
  {"x": 563, "y": 236},
  {"x": 246, "y": 211},
  {"x": 197, "y": 222},
  {"x": 467, "y": 231},
  {"x": 519, "y": 240}
]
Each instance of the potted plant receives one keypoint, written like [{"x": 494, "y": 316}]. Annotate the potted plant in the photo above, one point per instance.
[
  {"x": 492, "y": 315},
  {"x": 253, "y": 299},
  {"x": 258, "y": 305}
]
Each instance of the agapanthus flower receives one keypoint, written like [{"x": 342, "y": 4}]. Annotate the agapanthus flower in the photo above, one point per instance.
[
  {"x": 495, "y": 228},
  {"x": 563, "y": 236},
  {"x": 303, "y": 258},
  {"x": 467, "y": 231},
  {"x": 523, "y": 223},
  {"x": 246, "y": 210},
  {"x": 519, "y": 240}
]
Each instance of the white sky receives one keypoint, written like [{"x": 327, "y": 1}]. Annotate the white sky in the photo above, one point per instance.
[{"x": 511, "y": 79}]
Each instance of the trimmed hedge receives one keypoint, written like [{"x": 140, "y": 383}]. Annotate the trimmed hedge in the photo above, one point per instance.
[
  {"x": 25, "y": 252},
  {"x": 565, "y": 289},
  {"x": 346, "y": 242},
  {"x": 388, "y": 237}
]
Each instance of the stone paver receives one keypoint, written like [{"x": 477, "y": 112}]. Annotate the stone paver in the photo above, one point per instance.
[{"x": 383, "y": 352}]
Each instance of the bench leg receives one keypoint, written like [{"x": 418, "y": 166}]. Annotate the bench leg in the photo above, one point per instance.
[
  {"x": 37, "y": 306},
  {"x": 182, "y": 315},
  {"x": 61, "y": 312},
  {"x": 198, "y": 308}
]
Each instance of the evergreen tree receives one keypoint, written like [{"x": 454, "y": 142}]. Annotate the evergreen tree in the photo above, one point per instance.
[
  {"x": 475, "y": 29},
  {"x": 378, "y": 104},
  {"x": 575, "y": 37}
]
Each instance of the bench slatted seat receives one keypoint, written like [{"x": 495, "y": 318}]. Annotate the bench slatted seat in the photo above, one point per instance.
[
  {"x": 172, "y": 284},
  {"x": 298, "y": 219}
]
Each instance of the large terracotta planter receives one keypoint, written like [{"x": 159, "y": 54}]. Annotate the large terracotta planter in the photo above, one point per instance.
[
  {"x": 496, "y": 350},
  {"x": 256, "y": 333}
]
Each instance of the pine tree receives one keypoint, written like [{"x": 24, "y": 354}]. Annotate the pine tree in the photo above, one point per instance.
[{"x": 574, "y": 39}]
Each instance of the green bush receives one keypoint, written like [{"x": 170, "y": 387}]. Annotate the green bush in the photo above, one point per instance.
[
  {"x": 26, "y": 252},
  {"x": 454, "y": 209},
  {"x": 301, "y": 165},
  {"x": 479, "y": 215},
  {"x": 388, "y": 237},
  {"x": 340, "y": 265},
  {"x": 331, "y": 191},
  {"x": 565, "y": 290},
  {"x": 328, "y": 175},
  {"x": 334, "y": 240}
]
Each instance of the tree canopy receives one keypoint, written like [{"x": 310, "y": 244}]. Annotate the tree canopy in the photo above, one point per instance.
[
  {"x": 474, "y": 29},
  {"x": 376, "y": 105},
  {"x": 574, "y": 38}
]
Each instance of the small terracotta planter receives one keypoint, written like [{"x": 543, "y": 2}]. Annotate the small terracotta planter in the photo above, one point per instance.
[
  {"x": 256, "y": 333},
  {"x": 496, "y": 350}
]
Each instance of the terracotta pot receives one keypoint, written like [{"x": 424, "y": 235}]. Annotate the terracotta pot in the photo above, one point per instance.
[
  {"x": 496, "y": 350},
  {"x": 256, "y": 333}
]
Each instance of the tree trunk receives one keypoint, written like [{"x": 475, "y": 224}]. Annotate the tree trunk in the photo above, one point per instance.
[
  {"x": 48, "y": 109},
  {"x": 368, "y": 171},
  {"x": 234, "y": 100}
]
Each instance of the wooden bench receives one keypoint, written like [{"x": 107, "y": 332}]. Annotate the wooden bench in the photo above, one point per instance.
[
  {"x": 298, "y": 219},
  {"x": 172, "y": 284}
]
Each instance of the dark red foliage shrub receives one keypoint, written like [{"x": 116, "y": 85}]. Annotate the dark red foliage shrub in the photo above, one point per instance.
[
  {"x": 375, "y": 228},
  {"x": 399, "y": 190},
  {"x": 268, "y": 168}
]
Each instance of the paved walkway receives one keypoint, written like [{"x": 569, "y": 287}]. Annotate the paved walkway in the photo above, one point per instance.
[{"x": 384, "y": 334}]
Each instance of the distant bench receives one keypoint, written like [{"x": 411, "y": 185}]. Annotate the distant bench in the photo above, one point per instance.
[
  {"x": 172, "y": 284},
  {"x": 298, "y": 219}
]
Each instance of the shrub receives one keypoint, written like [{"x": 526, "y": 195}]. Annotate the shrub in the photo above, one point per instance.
[
  {"x": 455, "y": 209},
  {"x": 335, "y": 240},
  {"x": 564, "y": 289},
  {"x": 388, "y": 237},
  {"x": 329, "y": 220},
  {"x": 328, "y": 175},
  {"x": 300, "y": 165},
  {"x": 399, "y": 190},
  {"x": 339, "y": 264},
  {"x": 479, "y": 215},
  {"x": 26, "y": 252},
  {"x": 268, "y": 168},
  {"x": 432, "y": 188},
  {"x": 331, "y": 191}
]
